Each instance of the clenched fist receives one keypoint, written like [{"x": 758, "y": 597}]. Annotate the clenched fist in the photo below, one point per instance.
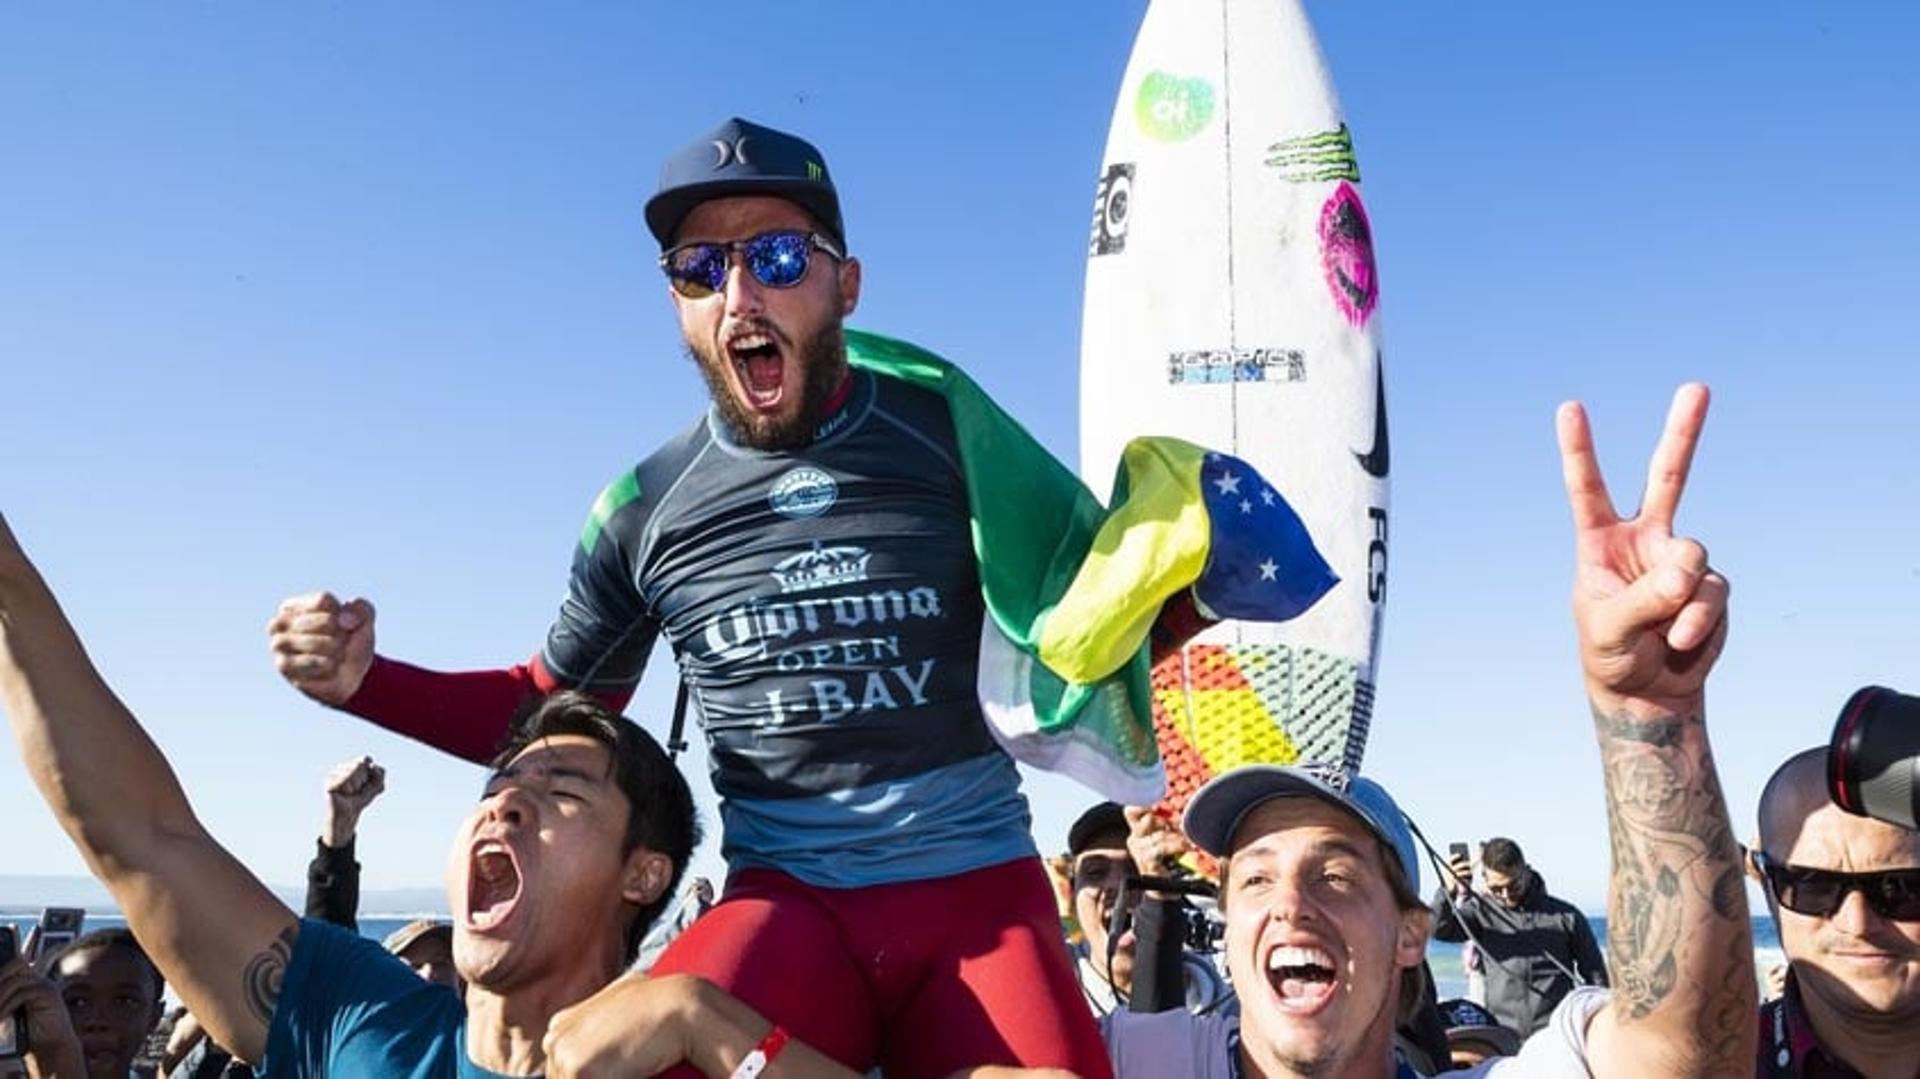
[
  {"x": 351, "y": 788},
  {"x": 323, "y": 646}
]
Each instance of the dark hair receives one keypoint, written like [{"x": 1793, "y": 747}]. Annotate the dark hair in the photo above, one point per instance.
[
  {"x": 1503, "y": 856},
  {"x": 105, "y": 940},
  {"x": 660, "y": 811}
]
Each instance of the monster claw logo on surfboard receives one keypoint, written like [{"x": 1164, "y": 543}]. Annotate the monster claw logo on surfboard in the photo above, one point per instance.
[{"x": 1244, "y": 317}]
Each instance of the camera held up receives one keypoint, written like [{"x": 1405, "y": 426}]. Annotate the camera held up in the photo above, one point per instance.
[{"x": 1873, "y": 760}]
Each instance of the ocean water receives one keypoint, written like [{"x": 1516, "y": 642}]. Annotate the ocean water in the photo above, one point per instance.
[
  {"x": 372, "y": 926},
  {"x": 1448, "y": 975},
  {"x": 1450, "y": 978}
]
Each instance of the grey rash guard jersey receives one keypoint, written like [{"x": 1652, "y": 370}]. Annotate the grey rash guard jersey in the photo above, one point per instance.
[{"x": 825, "y": 608}]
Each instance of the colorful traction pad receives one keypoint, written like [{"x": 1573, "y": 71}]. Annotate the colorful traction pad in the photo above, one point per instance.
[{"x": 1216, "y": 707}]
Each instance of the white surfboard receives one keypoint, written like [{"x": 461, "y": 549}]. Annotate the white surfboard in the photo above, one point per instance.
[{"x": 1232, "y": 301}]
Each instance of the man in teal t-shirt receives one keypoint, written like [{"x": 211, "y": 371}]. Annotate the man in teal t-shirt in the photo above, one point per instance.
[
  {"x": 346, "y": 1007},
  {"x": 573, "y": 850}
]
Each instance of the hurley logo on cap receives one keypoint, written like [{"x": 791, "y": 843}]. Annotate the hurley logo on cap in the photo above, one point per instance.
[{"x": 735, "y": 151}]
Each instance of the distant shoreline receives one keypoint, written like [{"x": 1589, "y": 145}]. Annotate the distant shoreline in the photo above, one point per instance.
[{"x": 25, "y": 895}]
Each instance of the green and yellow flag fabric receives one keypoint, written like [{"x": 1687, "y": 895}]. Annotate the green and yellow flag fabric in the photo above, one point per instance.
[{"x": 1072, "y": 588}]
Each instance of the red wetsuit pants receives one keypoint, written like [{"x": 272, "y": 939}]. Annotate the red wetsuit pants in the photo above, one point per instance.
[{"x": 922, "y": 978}]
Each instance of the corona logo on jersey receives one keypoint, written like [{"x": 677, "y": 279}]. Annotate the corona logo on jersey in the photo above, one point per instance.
[
  {"x": 822, "y": 567},
  {"x": 745, "y": 631}
]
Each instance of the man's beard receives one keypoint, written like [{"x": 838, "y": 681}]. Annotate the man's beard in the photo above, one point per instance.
[{"x": 823, "y": 363}]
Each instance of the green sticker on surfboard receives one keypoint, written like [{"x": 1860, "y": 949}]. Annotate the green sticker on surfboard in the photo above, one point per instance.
[{"x": 1172, "y": 108}]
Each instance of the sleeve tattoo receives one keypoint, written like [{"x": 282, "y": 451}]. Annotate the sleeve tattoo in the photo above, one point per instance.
[
  {"x": 264, "y": 974},
  {"x": 1676, "y": 875}
]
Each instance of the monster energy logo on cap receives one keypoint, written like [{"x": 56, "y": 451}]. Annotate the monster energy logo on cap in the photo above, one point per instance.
[{"x": 1327, "y": 155}]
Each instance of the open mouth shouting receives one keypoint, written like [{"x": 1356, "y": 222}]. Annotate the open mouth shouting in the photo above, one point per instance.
[
  {"x": 757, "y": 354},
  {"x": 493, "y": 885},
  {"x": 1302, "y": 977}
]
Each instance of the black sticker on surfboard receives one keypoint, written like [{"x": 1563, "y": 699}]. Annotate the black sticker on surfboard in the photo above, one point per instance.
[
  {"x": 1375, "y": 460},
  {"x": 1112, "y": 204}
]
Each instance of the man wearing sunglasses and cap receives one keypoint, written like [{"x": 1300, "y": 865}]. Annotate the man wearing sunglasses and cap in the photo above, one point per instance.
[
  {"x": 1319, "y": 880},
  {"x": 805, "y": 547},
  {"x": 1845, "y": 895}
]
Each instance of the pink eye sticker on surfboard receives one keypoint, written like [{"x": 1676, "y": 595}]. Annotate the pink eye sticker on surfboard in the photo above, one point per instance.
[{"x": 1346, "y": 250}]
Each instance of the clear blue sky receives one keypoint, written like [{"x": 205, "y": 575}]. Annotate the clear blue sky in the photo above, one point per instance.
[{"x": 358, "y": 296}]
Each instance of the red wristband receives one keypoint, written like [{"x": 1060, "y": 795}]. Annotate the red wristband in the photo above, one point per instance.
[{"x": 762, "y": 1055}]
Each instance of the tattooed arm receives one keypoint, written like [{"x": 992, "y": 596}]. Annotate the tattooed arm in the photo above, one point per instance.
[
  {"x": 1651, "y": 616},
  {"x": 1677, "y": 926},
  {"x": 218, "y": 935}
]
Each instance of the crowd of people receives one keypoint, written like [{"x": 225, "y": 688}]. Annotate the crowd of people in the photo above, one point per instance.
[{"x": 805, "y": 548}]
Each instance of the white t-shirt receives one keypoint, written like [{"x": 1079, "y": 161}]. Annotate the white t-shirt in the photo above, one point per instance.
[
  {"x": 1556, "y": 1050},
  {"x": 1181, "y": 1045}
]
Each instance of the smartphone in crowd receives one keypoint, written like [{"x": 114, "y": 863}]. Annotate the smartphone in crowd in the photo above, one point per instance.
[
  {"x": 13, "y": 1026},
  {"x": 59, "y": 927},
  {"x": 1456, "y": 852}
]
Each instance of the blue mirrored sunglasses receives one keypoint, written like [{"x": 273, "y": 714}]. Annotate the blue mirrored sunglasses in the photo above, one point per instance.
[{"x": 776, "y": 259}]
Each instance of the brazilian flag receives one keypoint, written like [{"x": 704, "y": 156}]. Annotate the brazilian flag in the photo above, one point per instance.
[{"x": 1072, "y": 587}]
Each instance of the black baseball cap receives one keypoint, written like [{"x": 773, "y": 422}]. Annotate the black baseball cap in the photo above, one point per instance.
[
  {"x": 741, "y": 157},
  {"x": 1467, "y": 1021},
  {"x": 1103, "y": 819}
]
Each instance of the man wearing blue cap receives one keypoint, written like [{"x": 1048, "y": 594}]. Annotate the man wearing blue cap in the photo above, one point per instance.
[
  {"x": 806, "y": 549},
  {"x": 1325, "y": 924}
]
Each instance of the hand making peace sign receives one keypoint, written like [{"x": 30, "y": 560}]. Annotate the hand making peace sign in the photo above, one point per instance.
[{"x": 1651, "y": 613}]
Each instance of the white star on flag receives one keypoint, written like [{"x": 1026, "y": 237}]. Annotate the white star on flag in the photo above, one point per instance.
[
  {"x": 1267, "y": 496},
  {"x": 1246, "y": 506},
  {"x": 1228, "y": 483},
  {"x": 1268, "y": 570}
]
